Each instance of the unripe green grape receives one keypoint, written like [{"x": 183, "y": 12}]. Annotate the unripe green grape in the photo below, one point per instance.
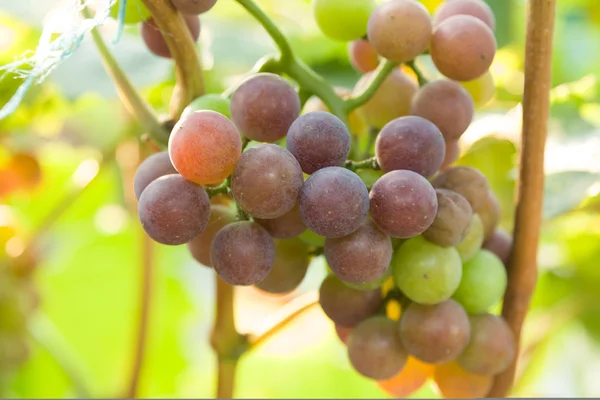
[
  {"x": 483, "y": 283},
  {"x": 341, "y": 19},
  {"x": 472, "y": 243},
  {"x": 135, "y": 11},
  {"x": 482, "y": 89},
  {"x": 426, "y": 273},
  {"x": 212, "y": 102}
]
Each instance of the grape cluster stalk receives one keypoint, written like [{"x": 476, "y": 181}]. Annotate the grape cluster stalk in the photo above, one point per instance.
[{"x": 261, "y": 179}]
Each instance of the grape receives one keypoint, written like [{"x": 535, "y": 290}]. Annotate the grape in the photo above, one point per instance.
[
  {"x": 410, "y": 143},
  {"x": 374, "y": 284},
  {"x": 199, "y": 247},
  {"x": 193, "y": 7},
  {"x": 390, "y": 101},
  {"x": 483, "y": 283},
  {"x": 452, "y": 221},
  {"x": 447, "y": 104},
  {"x": 291, "y": 263},
  {"x": 312, "y": 239},
  {"x": 426, "y": 273},
  {"x": 211, "y": 101},
  {"x": 154, "y": 39},
  {"x": 242, "y": 253},
  {"x": 456, "y": 383},
  {"x": 435, "y": 333},
  {"x": 155, "y": 166},
  {"x": 266, "y": 181},
  {"x": 476, "y": 8},
  {"x": 264, "y": 106},
  {"x": 481, "y": 89},
  {"x": 287, "y": 226},
  {"x": 500, "y": 243},
  {"x": 333, "y": 202},
  {"x": 317, "y": 140},
  {"x": 346, "y": 306},
  {"x": 343, "y": 332},
  {"x": 463, "y": 47},
  {"x": 205, "y": 147},
  {"x": 466, "y": 181},
  {"x": 472, "y": 243},
  {"x": 400, "y": 30},
  {"x": 343, "y": 20},
  {"x": 490, "y": 214},
  {"x": 173, "y": 211},
  {"x": 492, "y": 347},
  {"x": 452, "y": 154},
  {"x": 135, "y": 11},
  {"x": 355, "y": 122},
  {"x": 403, "y": 204},
  {"x": 361, "y": 257},
  {"x": 412, "y": 377},
  {"x": 375, "y": 350},
  {"x": 221, "y": 199},
  {"x": 363, "y": 56}
]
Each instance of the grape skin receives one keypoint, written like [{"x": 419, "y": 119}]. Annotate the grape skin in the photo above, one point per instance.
[
  {"x": 375, "y": 350},
  {"x": 456, "y": 383},
  {"x": 243, "y": 253},
  {"x": 452, "y": 154},
  {"x": 482, "y": 89},
  {"x": 173, "y": 210},
  {"x": 318, "y": 139},
  {"x": 500, "y": 243},
  {"x": 155, "y": 41},
  {"x": 403, "y": 204},
  {"x": 346, "y": 306},
  {"x": 447, "y": 104},
  {"x": 199, "y": 247},
  {"x": 287, "y": 226},
  {"x": 410, "y": 143},
  {"x": 435, "y": 333},
  {"x": 193, "y": 7},
  {"x": 463, "y": 47},
  {"x": 266, "y": 181},
  {"x": 333, "y": 202},
  {"x": 452, "y": 221},
  {"x": 363, "y": 56},
  {"x": 361, "y": 257},
  {"x": 476, "y": 8},
  {"x": 290, "y": 266},
  {"x": 210, "y": 101},
  {"x": 466, "y": 181},
  {"x": 400, "y": 30},
  {"x": 264, "y": 106},
  {"x": 153, "y": 167},
  {"x": 472, "y": 243},
  {"x": 343, "y": 20},
  {"x": 205, "y": 147},
  {"x": 490, "y": 214},
  {"x": 412, "y": 377}
]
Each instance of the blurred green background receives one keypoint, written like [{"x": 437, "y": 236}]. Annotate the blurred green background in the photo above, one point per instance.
[{"x": 71, "y": 133}]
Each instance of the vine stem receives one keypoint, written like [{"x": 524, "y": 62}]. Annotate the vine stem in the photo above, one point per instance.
[
  {"x": 536, "y": 103},
  {"x": 379, "y": 75},
  {"x": 134, "y": 103},
  {"x": 420, "y": 77},
  {"x": 190, "y": 80},
  {"x": 364, "y": 164}
]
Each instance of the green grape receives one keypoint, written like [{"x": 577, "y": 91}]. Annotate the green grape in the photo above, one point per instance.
[
  {"x": 212, "y": 102},
  {"x": 371, "y": 285},
  {"x": 135, "y": 11},
  {"x": 341, "y": 19},
  {"x": 311, "y": 238},
  {"x": 482, "y": 89},
  {"x": 483, "y": 283},
  {"x": 426, "y": 273},
  {"x": 472, "y": 243}
]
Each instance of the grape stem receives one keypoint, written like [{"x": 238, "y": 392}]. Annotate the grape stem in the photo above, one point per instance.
[
  {"x": 420, "y": 77},
  {"x": 369, "y": 163},
  {"x": 377, "y": 78},
  {"x": 190, "y": 80},
  {"x": 221, "y": 189},
  {"x": 134, "y": 103},
  {"x": 522, "y": 273}
]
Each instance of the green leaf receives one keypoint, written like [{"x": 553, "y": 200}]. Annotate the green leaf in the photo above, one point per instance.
[{"x": 565, "y": 190}]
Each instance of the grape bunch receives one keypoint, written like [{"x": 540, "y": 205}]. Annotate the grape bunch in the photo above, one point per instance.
[{"x": 259, "y": 182}]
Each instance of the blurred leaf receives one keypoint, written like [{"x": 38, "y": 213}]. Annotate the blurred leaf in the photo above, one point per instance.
[{"x": 564, "y": 191}]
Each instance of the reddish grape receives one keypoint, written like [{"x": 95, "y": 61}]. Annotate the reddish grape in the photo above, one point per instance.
[
  {"x": 400, "y": 30},
  {"x": 264, "y": 107},
  {"x": 363, "y": 56},
  {"x": 362, "y": 257},
  {"x": 375, "y": 350},
  {"x": 193, "y": 7},
  {"x": 287, "y": 226},
  {"x": 412, "y": 377},
  {"x": 456, "y": 383},
  {"x": 199, "y": 247},
  {"x": 317, "y": 140},
  {"x": 466, "y": 181},
  {"x": 410, "y": 143},
  {"x": 333, "y": 202},
  {"x": 155, "y": 166},
  {"x": 476, "y": 8},
  {"x": 343, "y": 332},
  {"x": 204, "y": 147},
  {"x": 173, "y": 210},
  {"x": 452, "y": 221},
  {"x": 490, "y": 214},
  {"x": 463, "y": 47},
  {"x": 290, "y": 266},
  {"x": 499, "y": 243},
  {"x": 435, "y": 333},
  {"x": 403, "y": 204},
  {"x": 242, "y": 253},
  {"x": 154, "y": 39},
  {"x": 346, "y": 306},
  {"x": 447, "y": 104},
  {"x": 452, "y": 154},
  {"x": 266, "y": 181}
]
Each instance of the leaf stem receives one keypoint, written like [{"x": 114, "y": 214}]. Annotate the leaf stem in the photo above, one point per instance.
[
  {"x": 369, "y": 163},
  {"x": 379, "y": 75},
  {"x": 536, "y": 103}
]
